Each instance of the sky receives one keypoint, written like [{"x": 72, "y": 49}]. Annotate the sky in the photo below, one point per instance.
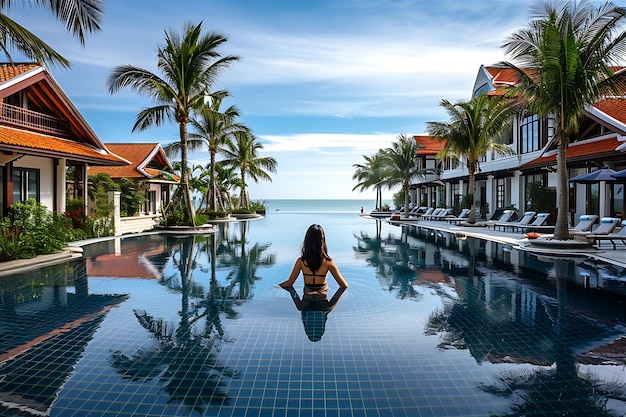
[{"x": 320, "y": 82}]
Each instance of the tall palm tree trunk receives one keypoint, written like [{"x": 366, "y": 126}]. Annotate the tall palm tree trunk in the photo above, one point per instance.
[
  {"x": 471, "y": 218},
  {"x": 212, "y": 185},
  {"x": 184, "y": 176},
  {"x": 561, "y": 227}
]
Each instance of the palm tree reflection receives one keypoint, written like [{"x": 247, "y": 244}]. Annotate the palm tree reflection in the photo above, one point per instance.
[
  {"x": 517, "y": 325},
  {"x": 395, "y": 263},
  {"x": 184, "y": 354}
]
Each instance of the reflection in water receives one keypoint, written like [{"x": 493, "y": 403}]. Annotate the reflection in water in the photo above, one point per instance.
[
  {"x": 44, "y": 329},
  {"x": 183, "y": 356},
  {"x": 542, "y": 318},
  {"x": 315, "y": 307}
]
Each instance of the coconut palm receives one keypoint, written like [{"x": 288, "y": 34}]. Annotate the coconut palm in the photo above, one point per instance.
[
  {"x": 190, "y": 65},
  {"x": 402, "y": 166},
  {"x": 371, "y": 173},
  {"x": 243, "y": 153},
  {"x": 213, "y": 130},
  {"x": 563, "y": 61},
  {"x": 80, "y": 17},
  {"x": 471, "y": 133}
]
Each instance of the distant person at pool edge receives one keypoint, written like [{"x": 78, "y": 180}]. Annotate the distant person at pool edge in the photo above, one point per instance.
[{"x": 315, "y": 263}]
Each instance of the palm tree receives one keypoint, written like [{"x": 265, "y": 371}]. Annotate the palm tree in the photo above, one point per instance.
[
  {"x": 402, "y": 166},
  {"x": 471, "y": 133},
  {"x": 80, "y": 17},
  {"x": 371, "y": 173},
  {"x": 563, "y": 64},
  {"x": 242, "y": 153},
  {"x": 214, "y": 129},
  {"x": 190, "y": 65}
]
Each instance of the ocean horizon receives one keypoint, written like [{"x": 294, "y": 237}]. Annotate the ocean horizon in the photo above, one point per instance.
[{"x": 320, "y": 205}]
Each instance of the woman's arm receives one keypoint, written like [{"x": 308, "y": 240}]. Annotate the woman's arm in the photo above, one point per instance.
[
  {"x": 294, "y": 274},
  {"x": 332, "y": 267}
]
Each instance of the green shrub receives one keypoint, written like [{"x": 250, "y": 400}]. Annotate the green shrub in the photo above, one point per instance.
[{"x": 31, "y": 229}]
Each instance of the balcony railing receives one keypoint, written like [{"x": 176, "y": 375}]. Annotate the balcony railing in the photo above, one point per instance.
[{"x": 32, "y": 119}]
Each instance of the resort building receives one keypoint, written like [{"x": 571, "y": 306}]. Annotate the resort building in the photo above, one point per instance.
[
  {"x": 149, "y": 168},
  {"x": 527, "y": 178},
  {"x": 42, "y": 136}
]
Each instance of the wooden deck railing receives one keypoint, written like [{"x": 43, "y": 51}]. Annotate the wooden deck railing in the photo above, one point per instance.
[{"x": 32, "y": 119}]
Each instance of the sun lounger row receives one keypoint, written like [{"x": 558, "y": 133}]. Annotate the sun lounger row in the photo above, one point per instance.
[
  {"x": 605, "y": 228},
  {"x": 437, "y": 214},
  {"x": 611, "y": 237}
]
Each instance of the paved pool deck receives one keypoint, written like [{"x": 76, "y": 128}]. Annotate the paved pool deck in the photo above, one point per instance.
[{"x": 604, "y": 253}]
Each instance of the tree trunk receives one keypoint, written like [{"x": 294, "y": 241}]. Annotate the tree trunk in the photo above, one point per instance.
[
  {"x": 471, "y": 218},
  {"x": 212, "y": 185},
  {"x": 184, "y": 175},
  {"x": 406, "y": 199},
  {"x": 561, "y": 228}
]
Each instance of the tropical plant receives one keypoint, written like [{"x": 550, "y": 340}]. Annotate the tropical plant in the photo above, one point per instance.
[
  {"x": 214, "y": 129},
  {"x": 190, "y": 65},
  {"x": 80, "y": 17},
  {"x": 402, "y": 166},
  {"x": 563, "y": 60},
  {"x": 131, "y": 197},
  {"x": 370, "y": 174},
  {"x": 471, "y": 133},
  {"x": 31, "y": 229},
  {"x": 243, "y": 154}
]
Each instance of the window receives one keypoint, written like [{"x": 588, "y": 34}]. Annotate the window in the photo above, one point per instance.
[
  {"x": 151, "y": 202},
  {"x": 25, "y": 184},
  {"x": 500, "y": 196},
  {"x": 532, "y": 136},
  {"x": 456, "y": 194}
]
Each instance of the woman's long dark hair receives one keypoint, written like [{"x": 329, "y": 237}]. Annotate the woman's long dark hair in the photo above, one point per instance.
[{"x": 314, "y": 248}]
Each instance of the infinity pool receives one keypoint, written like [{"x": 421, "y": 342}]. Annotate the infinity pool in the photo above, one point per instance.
[{"x": 431, "y": 325}]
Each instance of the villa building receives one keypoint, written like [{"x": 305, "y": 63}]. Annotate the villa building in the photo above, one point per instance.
[
  {"x": 527, "y": 179},
  {"x": 42, "y": 135},
  {"x": 149, "y": 167}
]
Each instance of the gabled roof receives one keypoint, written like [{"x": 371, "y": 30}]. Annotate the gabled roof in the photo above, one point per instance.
[
  {"x": 614, "y": 107},
  {"x": 578, "y": 151},
  {"x": 23, "y": 141},
  {"x": 147, "y": 160},
  {"x": 44, "y": 95},
  {"x": 426, "y": 145}
]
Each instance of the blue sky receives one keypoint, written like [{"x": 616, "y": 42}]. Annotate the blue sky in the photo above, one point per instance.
[{"x": 321, "y": 83}]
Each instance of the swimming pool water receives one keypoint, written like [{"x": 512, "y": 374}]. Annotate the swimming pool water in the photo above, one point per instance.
[{"x": 431, "y": 325}]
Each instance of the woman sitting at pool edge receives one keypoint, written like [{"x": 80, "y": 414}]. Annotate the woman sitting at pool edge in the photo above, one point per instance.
[{"x": 315, "y": 263}]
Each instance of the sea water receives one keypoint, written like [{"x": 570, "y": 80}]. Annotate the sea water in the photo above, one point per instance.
[{"x": 320, "y": 205}]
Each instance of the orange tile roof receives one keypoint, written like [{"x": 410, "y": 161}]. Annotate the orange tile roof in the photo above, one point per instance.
[
  {"x": 427, "y": 145},
  {"x": 614, "y": 107},
  {"x": 9, "y": 71},
  {"x": 502, "y": 75},
  {"x": 140, "y": 155},
  {"x": 22, "y": 140},
  {"x": 578, "y": 151}
]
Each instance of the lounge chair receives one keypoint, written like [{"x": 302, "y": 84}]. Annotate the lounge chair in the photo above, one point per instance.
[
  {"x": 443, "y": 214},
  {"x": 463, "y": 215},
  {"x": 585, "y": 223},
  {"x": 606, "y": 226},
  {"x": 421, "y": 213},
  {"x": 434, "y": 212},
  {"x": 538, "y": 224},
  {"x": 439, "y": 214},
  {"x": 507, "y": 216},
  {"x": 612, "y": 237},
  {"x": 524, "y": 221}
]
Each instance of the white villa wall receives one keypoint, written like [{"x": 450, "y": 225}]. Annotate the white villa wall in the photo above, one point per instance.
[{"x": 46, "y": 177}]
